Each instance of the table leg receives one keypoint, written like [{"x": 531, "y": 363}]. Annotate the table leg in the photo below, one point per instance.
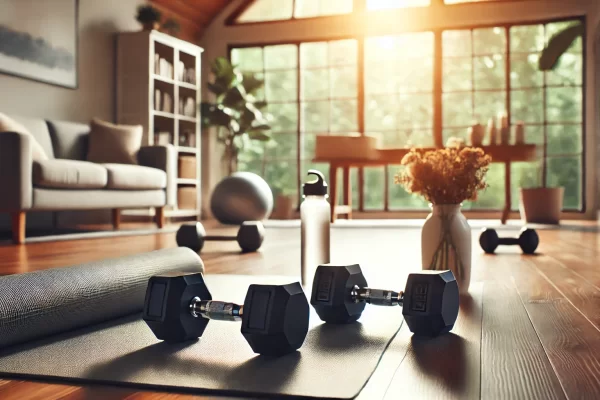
[
  {"x": 333, "y": 190},
  {"x": 507, "y": 192},
  {"x": 347, "y": 192}
]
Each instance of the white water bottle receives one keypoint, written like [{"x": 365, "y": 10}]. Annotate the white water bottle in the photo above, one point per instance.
[{"x": 315, "y": 217}]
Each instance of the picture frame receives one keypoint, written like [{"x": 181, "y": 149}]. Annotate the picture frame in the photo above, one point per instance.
[{"x": 39, "y": 41}]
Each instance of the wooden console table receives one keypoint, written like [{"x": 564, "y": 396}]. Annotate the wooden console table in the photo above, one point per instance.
[{"x": 506, "y": 154}]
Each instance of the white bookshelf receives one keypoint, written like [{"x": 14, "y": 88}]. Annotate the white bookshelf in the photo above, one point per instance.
[{"x": 138, "y": 80}]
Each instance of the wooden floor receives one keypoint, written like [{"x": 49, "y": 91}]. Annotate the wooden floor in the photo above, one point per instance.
[{"x": 530, "y": 328}]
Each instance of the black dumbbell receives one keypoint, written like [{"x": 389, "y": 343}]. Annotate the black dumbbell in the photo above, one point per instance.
[
  {"x": 429, "y": 303},
  {"x": 274, "y": 317},
  {"x": 249, "y": 237},
  {"x": 528, "y": 240}
]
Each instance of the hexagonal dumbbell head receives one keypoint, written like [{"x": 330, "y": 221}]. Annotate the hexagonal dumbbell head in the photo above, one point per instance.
[
  {"x": 275, "y": 318},
  {"x": 167, "y": 306},
  {"x": 251, "y": 235},
  {"x": 431, "y": 302},
  {"x": 191, "y": 235},
  {"x": 331, "y": 290}
]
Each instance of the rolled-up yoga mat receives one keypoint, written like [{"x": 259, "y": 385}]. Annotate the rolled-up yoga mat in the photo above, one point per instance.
[{"x": 43, "y": 303}]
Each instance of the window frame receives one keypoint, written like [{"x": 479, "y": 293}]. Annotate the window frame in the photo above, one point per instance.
[{"x": 438, "y": 93}]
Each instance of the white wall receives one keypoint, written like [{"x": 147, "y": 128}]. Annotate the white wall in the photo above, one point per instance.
[
  {"x": 218, "y": 36},
  {"x": 99, "y": 20}
]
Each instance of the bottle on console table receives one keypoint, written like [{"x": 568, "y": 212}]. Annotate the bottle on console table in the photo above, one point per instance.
[{"x": 315, "y": 217}]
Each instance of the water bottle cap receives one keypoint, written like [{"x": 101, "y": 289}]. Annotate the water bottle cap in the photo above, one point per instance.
[{"x": 316, "y": 188}]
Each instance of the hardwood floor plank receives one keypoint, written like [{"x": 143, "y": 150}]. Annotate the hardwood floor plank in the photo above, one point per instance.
[
  {"x": 446, "y": 367},
  {"x": 571, "y": 342},
  {"x": 513, "y": 362}
]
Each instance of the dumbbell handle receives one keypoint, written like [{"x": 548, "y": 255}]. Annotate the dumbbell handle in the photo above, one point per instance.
[
  {"x": 220, "y": 238},
  {"x": 377, "y": 297},
  {"x": 508, "y": 241},
  {"x": 216, "y": 310}
]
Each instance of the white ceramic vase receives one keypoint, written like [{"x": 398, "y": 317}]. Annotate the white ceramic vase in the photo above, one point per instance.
[{"x": 446, "y": 243}]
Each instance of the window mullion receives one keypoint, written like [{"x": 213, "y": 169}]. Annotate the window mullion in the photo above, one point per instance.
[
  {"x": 437, "y": 89},
  {"x": 360, "y": 66}
]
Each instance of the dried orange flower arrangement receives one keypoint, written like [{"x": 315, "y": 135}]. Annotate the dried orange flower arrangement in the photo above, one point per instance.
[{"x": 445, "y": 176}]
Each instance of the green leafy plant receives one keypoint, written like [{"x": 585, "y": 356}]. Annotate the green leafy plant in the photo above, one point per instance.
[
  {"x": 171, "y": 26},
  {"x": 236, "y": 113},
  {"x": 148, "y": 15}
]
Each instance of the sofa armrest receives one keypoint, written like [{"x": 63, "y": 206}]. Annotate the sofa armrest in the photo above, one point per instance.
[
  {"x": 15, "y": 171},
  {"x": 165, "y": 159}
]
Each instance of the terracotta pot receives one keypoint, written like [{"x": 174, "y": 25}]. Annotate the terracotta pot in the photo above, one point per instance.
[
  {"x": 446, "y": 243},
  {"x": 284, "y": 207},
  {"x": 541, "y": 205}
]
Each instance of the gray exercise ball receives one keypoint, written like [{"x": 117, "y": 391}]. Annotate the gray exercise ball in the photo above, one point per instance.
[{"x": 242, "y": 196}]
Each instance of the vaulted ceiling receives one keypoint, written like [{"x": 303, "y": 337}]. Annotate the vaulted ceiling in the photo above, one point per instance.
[{"x": 192, "y": 15}]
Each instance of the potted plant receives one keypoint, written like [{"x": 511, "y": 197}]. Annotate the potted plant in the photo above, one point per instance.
[
  {"x": 236, "y": 113},
  {"x": 171, "y": 27},
  {"x": 544, "y": 204},
  {"x": 149, "y": 16}
]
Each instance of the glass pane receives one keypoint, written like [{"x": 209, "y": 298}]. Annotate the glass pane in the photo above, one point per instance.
[
  {"x": 386, "y": 4},
  {"x": 564, "y": 104},
  {"x": 415, "y": 75},
  {"x": 457, "y": 74},
  {"x": 566, "y": 172},
  {"x": 285, "y": 117},
  {"x": 417, "y": 138},
  {"x": 281, "y": 85},
  {"x": 382, "y": 77},
  {"x": 382, "y": 113},
  {"x": 343, "y": 82},
  {"x": 458, "y": 109},
  {"x": 534, "y": 134},
  {"x": 248, "y": 59},
  {"x": 282, "y": 146},
  {"x": 313, "y": 54},
  {"x": 489, "y": 41},
  {"x": 460, "y": 133},
  {"x": 308, "y": 146},
  {"x": 344, "y": 116},
  {"x": 491, "y": 198},
  {"x": 250, "y": 161},
  {"x": 343, "y": 52},
  {"x": 490, "y": 72},
  {"x": 524, "y": 71},
  {"x": 267, "y": 10},
  {"x": 527, "y": 105},
  {"x": 556, "y": 27},
  {"x": 527, "y": 39},
  {"x": 456, "y": 43},
  {"x": 569, "y": 71},
  {"x": 315, "y": 84},
  {"x": 373, "y": 190},
  {"x": 488, "y": 105},
  {"x": 399, "y": 198},
  {"x": 281, "y": 56},
  {"x": 564, "y": 139},
  {"x": 281, "y": 175},
  {"x": 523, "y": 175},
  {"x": 315, "y": 116},
  {"x": 315, "y": 8},
  {"x": 415, "y": 111}
]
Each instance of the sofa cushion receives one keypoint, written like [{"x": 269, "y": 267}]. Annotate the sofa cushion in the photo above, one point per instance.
[
  {"x": 110, "y": 143},
  {"x": 41, "y": 147},
  {"x": 69, "y": 174},
  {"x": 69, "y": 139},
  {"x": 134, "y": 177}
]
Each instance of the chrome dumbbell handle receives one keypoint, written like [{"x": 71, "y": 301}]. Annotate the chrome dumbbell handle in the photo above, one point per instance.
[
  {"x": 377, "y": 297},
  {"x": 216, "y": 310}
]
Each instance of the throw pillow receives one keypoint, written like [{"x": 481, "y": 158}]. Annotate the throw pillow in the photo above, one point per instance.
[
  {"x": 8, "y": 124},
  {"x": 110, "y": 143}
]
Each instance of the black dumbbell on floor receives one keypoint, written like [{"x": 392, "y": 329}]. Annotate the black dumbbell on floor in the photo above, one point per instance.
[
  {"x": 528, "y": 240},
  {"x": 249, "y": 237},
  {"x": 429, "y": 303},
  {"x": 274, "y": 318}
]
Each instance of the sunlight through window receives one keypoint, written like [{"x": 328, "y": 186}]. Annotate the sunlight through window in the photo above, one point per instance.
[{"x": 386, "y": 4}]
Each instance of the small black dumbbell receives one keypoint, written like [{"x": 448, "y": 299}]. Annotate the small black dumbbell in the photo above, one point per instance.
[
  {"x": 429, "y": 304},
  {"x": 274, "y": 317},
  {"x": 249, "y": 237},
  {"x": 528, "y": 240}
]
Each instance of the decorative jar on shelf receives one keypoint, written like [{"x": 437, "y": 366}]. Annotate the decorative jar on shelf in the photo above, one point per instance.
[{"x": 446, "y": 243}]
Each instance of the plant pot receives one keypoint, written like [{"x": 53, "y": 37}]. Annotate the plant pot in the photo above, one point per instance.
[
  {"x": 541, "y": 205},
  {"x": 446, "y": 243},
  {"x": 284, "y": 207},
  {"x": 148, "y": 26}
]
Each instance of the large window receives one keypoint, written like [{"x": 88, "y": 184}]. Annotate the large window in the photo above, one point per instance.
[
  {"x": 313, "y": 88},
  {"x": 275, "y": 10}
]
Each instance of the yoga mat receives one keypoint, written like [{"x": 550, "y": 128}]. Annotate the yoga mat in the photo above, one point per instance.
[
  {"x": 335, "y": 361},
  {"x": 37, "y": 304}
]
